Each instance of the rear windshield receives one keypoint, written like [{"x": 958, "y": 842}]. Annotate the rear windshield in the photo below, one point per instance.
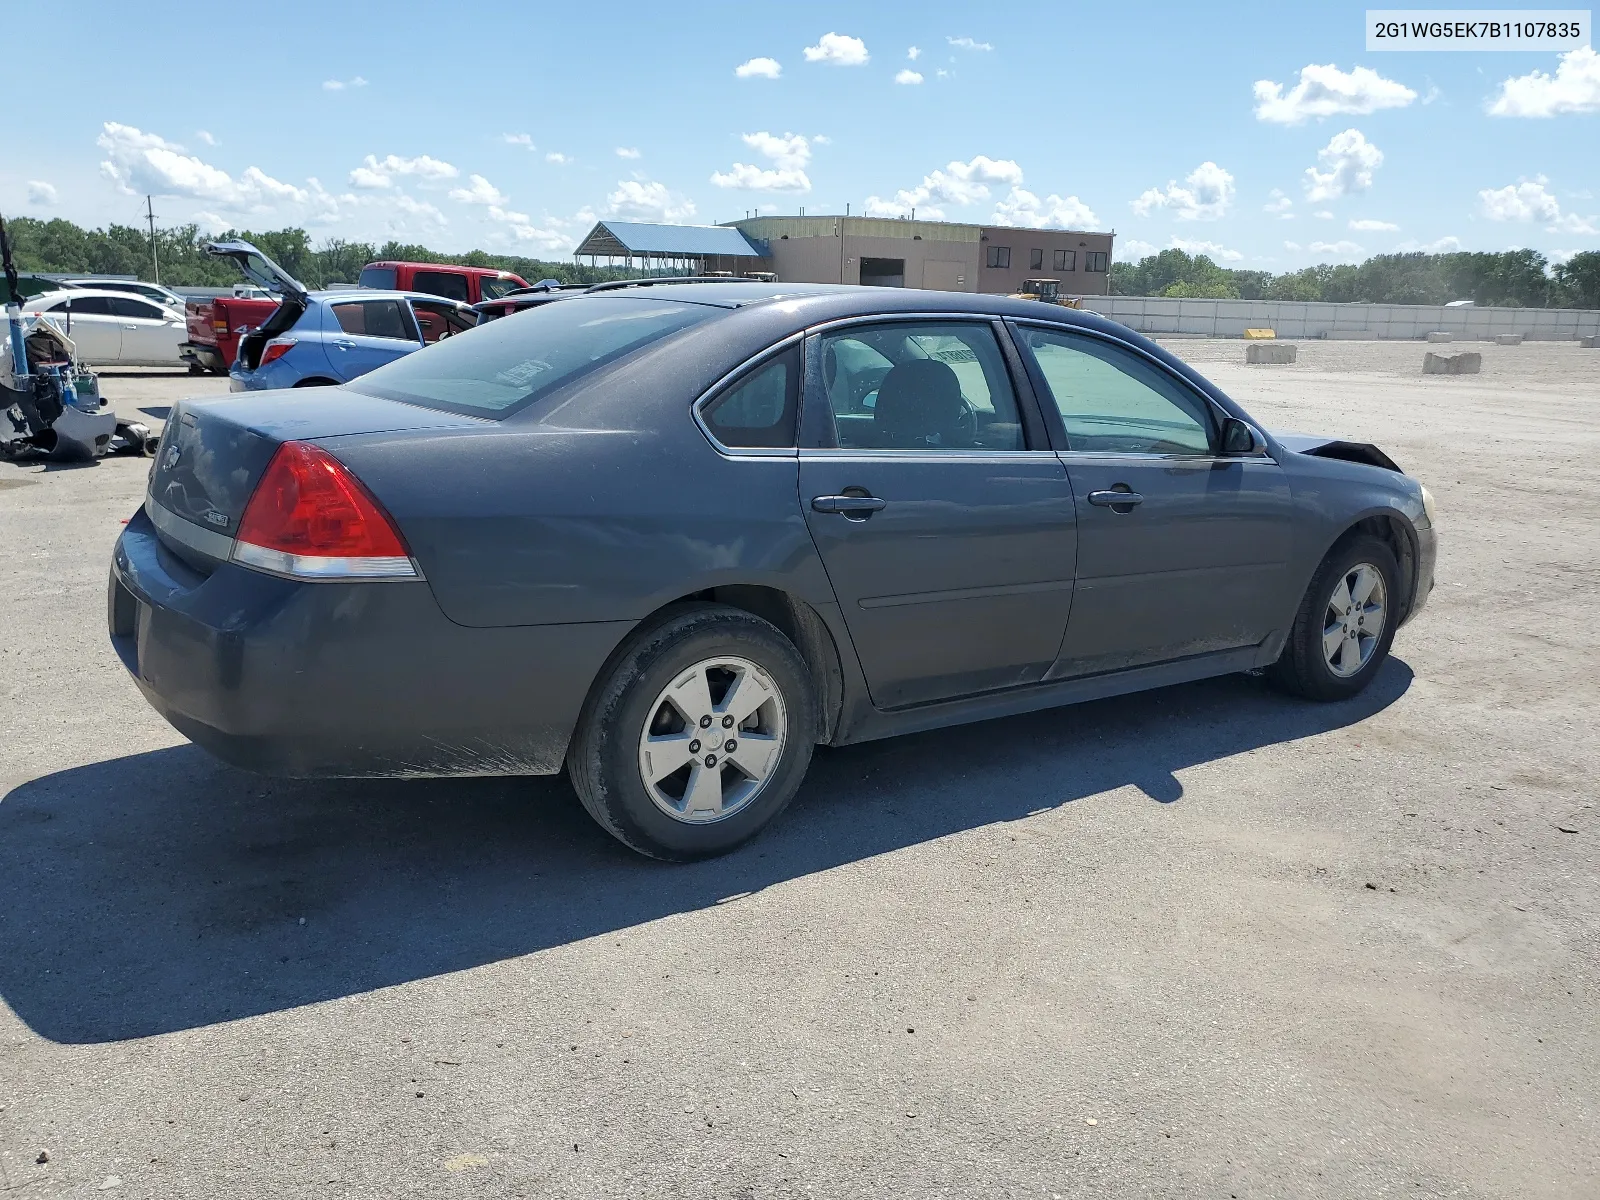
[
  {"x": 498, "y": 368},
  {"x": 381, "y": 278}
]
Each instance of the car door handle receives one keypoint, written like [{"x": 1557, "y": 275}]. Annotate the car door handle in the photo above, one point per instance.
[
  {"x": 130, "y": 327},
  {"x": 1111, "y": 498},
  {"x": 858, "y": 507},
  {"x": 344, "y": 343}
]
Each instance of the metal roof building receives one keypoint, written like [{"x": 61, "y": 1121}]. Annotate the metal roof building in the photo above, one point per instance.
[{"x": 697, "y": 248}]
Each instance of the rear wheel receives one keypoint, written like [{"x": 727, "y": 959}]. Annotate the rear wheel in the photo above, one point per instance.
[
  {"x": 698, "y": 735},
  {"x": 1345, "y": 624}
]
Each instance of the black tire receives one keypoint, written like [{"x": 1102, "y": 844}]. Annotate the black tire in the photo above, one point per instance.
[
  {"x": 1303, "y": 669},
  {"x": 603, "y": 760}
]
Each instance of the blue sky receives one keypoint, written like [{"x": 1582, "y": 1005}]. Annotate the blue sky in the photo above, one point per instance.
[{"x": 1264, "y": 134}]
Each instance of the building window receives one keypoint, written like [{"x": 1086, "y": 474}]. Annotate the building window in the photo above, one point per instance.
[
  {"x": 1094, "y": 260},
  {"x": 1066, "y": 260},
  {"x": 1000, "y": 256},
  {"x": 1035, "y": 260}
]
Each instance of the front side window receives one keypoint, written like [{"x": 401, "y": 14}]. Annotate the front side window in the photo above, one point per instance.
[
  {"x": 1094, "y": 260},
  {"x": 129, "y": 306},
  {"x": 441, "y": 283},
  {"x": 759, "y": 409},
  {"x": 1066, "y": 260},
  {"x": 507, "y": 365},
  {"x": 374, "y": 318},
  {"x": 999, "y": 256},
  {"x": 1114, "y": 402},
  {"x": 1035, "y": 260},
  {"x": 440, "y": 320},
  {"x": 915, "y": 385}
]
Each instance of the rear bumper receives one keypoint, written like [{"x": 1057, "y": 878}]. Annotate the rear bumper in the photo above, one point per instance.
[
  {"x": 202, "y": 355},
  {"x": 333, "y": 679}
]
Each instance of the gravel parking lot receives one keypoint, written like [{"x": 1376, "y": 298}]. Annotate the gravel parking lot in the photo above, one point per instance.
[{"x": 1204, "y": 942}]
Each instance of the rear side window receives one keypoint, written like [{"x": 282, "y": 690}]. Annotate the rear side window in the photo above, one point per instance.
[
  {"x": 441, "y": 283},
  {"x": 440, "y": 320},
  {"x": 494, "y": 288},
  {"x": 374, "y": 318},
  {"x": 88, "y": 306},
  {"x": 758, "y": 410},
  {"x": 380, "y": 278},
  {"x": 507, "y": 365}
]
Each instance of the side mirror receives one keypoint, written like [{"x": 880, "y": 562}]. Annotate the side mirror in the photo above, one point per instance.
[{"x": 1240, "y": 439}]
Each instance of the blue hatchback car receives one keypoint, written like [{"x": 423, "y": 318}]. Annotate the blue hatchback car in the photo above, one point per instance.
[{"x": 317, "y": 339}]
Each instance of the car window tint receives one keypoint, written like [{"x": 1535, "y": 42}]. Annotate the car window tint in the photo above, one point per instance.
[
  {"x": 129, "y": 306},
  {"x": 758, "y": 410},
  {"x": 1115, "y": 402},
  {"x": 373, "y": 318},
  {"x": 440, "y": 320},
  {"x": 377, "y": 278},
  {"x": 913, "y": 385},
  {"x": 90, "y": 306},
  {"x": 441, "y": 283},
  {"x": 493, "y": 288},
  {"x": 507, "y": 365}
]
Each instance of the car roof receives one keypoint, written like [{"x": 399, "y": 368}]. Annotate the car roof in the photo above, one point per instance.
[
  {"x": 82, "y": 293},
  {"x": 330, "y": 297}
]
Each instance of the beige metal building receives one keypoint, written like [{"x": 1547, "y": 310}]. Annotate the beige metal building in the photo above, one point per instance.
[{"x": 940, "y": 255}]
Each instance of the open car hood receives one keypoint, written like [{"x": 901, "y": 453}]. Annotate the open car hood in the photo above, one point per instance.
[
  {"x": 260, "y": 270},
  {"x": 1324, "y": 447}
]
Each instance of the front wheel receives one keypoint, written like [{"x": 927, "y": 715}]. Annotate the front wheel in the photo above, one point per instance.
[
  {"x": 697, "y": 736},
  {"x": 1342, "y": 631}
]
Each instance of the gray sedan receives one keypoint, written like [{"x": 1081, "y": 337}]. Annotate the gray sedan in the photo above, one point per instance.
[{"x": 671, "y": 537}]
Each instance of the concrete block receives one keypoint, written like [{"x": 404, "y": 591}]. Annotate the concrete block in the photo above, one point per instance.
[
  {"x": 1451, "y": 364},
  {"x": 1592, "y": 341},
  {"x": 1270, "y": 352},
  {"x": 1508, "y": 339},
  {"x": 1440, "y": 335}
]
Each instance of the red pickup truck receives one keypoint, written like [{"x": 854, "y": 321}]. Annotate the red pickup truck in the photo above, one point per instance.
[{"x": 214, "y": 325}]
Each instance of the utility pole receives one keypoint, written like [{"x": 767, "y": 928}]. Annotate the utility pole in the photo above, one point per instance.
[{"x": 150, "y": 214}]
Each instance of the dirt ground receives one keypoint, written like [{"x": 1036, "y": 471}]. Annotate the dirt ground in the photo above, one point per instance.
[{"x": 1203, "y": 942}]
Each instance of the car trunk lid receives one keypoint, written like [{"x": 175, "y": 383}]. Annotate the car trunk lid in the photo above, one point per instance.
[{"x": 213, "y": 452}]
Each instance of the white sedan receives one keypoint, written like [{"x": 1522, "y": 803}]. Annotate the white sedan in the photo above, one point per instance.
[{"x": 113, "y": 328}]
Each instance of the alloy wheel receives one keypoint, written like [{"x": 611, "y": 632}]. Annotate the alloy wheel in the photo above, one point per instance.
[{"x": 1352, "y": 623}]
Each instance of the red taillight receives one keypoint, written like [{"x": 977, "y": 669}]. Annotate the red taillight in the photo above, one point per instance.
[
  {"x": 276, "y": 349},
  {"x": 310, "y": 517}
]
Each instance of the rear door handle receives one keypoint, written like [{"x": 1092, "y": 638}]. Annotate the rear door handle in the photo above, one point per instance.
[
  {"x": 856, "y": 507},
  {"x": 344, "y": 343},
  {"x": 1111, "y": 498}
]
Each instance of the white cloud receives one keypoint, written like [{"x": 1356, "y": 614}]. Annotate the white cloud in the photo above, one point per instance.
[
  {"x": 1279, "y": 205},
  {"x": 759, "y": 68},
  {"x": 839, "y": 50},
  {"x": 1530, "y": 200},
  {"x": 821, "y": 139},
  {"x": 518, "y": 139},
  {"x": 1445, "y": 245},
  {"x": 376, "y": 173},
  {"x": 1291, "y": 245},
  {"x": 1323, "y": 214},
  {"x": 139, "y": 163},
  {"x": 913, "y": 52},
  {"x": 908, "y": 76},
  {"x": 479, "y": 191},
  {"x": 1206, "y": 196},
  {"x": 789, "y": 153},
  {"x": 1337, "y": 249},
  {"x": 1348, "y": 161},
  {"x": 421, "y": 208},
  {"x": 1022, "y": 208},
  {"x": 339, "y": 85},
  {"x": 1369, "y": 225},
  {"x": 941, "y": 73},
  {"x": 966, "y": 43},
  {"x": 40, "y": 192},
  {"x": 209, "y": 221},
  {"x": 628, "y": 152},
  {"x": 1132, "y": 250},
  {"x": 1574, "y": 88},
  {"x": 521, "y": 227},
  {"x": 555, "y": 156},
  {"x": 958, "y": 183},
  {"x": 205, "y": 137},
  {"x": 647, "y": 200},
  {"x": 1325, "y": 91},
  {"x": 1215, "y": 250}
]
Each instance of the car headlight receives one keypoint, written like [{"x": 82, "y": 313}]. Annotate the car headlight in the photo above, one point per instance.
[{"x": 1427, "y": 505}]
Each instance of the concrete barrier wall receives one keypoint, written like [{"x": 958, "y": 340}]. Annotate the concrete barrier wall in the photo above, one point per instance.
[{"x": 1297, "y": 319}]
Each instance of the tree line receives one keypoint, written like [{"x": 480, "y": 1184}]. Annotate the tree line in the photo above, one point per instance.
[
  {"x": 1512, "y": 279},
  {"x": 60, "y": 247}
]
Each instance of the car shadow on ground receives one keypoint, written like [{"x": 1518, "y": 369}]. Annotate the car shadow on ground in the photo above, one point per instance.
[{"x": 163, "y": 891}]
